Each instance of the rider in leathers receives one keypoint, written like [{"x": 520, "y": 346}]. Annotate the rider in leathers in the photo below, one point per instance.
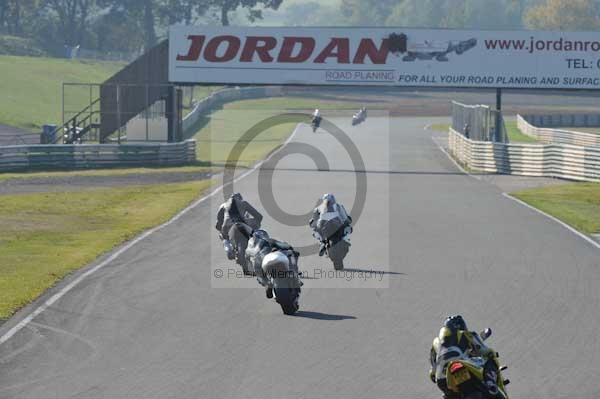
[
  {"x": 456, "y": 341},
  {"x": 235, "y": 210},
  {"x": 329, "y": 218},
  {"x": 259, "y": 245}
]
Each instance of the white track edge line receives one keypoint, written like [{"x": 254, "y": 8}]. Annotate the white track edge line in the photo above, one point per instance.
[
  {"x": 568, "y": 227},
  {"x": 50, "y": 301}
]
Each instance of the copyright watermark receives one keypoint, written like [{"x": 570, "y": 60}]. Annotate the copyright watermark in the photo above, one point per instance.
[
  {"x": 288, "y": 184},
  {"x": 317, "y": 273}
]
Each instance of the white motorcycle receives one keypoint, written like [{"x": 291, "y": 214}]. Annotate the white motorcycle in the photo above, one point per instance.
[
  {"x": 359, "y": 117},
  {"x": 276, "y": 265}
]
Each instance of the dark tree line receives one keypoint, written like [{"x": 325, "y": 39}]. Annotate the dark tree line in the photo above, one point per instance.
[
  {"x": 133, "y": 25},
  {"x": 116, "y": 25}
]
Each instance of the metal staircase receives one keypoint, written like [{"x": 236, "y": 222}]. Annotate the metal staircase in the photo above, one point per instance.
[
  {"x": 121, "y": 98},
  {"x": 77, "y": 127}
]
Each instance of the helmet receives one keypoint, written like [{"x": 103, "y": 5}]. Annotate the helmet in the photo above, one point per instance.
[
  {"x": 261, "y": 234},
  {"x": 236, "y": 196},
  {"x": 328, "y": 198},
  {"x": 455, "y": 323}
]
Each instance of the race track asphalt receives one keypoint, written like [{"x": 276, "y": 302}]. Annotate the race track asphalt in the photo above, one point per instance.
[{"x": 158, "y": 323}]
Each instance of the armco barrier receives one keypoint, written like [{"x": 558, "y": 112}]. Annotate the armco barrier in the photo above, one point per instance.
[
  {"x": 561, "y": 120},
  {"x": 543, "y": 160},
  {"x": 81, "y": 156},
  {"x": 558, "y": 136}
]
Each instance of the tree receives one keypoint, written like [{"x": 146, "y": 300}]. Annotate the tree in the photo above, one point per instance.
[
  {"x": 418, "y": 13},
  {"x": 224, "y": 7},
  {"x": 474, "y": 14},
  {"x": 563, "y": 15},
  {"x": 73, "y": 16},
  {"x": 112, "y": 27},
  {"x": 493, "y": 14},
  {"x": 142, "y": 12},
  {"x": 364, "y": 13},
  {"x": 182, "y": 11},
  {"x": 13, "y": 15}
]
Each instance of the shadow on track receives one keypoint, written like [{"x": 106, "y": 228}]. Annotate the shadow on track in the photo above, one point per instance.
[
  {"x": 384, "y": 172},
  {"x": 323, "y": 316},
  {"x": 348, "y": 269}
]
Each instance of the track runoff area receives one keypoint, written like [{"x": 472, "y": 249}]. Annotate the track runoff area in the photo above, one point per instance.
[{"x": 168, "y": 316}]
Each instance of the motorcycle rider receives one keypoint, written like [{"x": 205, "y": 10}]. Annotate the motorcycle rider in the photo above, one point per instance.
[
  {"x": 316, "y": 118},
  {"x": 455, "y": 341},
  {"x": 329, "y": 218},
  {"x": 235, "y": 210},
  {"x": 259, "y": 245}
]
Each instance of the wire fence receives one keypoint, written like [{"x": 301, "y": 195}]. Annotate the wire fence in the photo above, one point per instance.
[
  {"x": 77, "y": 52},
  {"x": 478, "y": 122}
]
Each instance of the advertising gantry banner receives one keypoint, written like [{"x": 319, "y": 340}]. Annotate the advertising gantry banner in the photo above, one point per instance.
[{"x": 384, "y": 57}]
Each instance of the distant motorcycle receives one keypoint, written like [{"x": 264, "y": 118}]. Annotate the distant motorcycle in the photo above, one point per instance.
[
  {"x": 359, "y": 117},
  {"x": 465, "y": 377},
  {"x": 316, "y": 123},
  {"x": 280, "y": 268}
]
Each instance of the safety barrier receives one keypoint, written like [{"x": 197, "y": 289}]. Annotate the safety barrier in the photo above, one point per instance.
[
  {"x": 528, "y": 125},
  {"x": 561, "y": 120},
  {"x": 81, "y": 156},
  {"x": 209, "y": 103},
  {"x": 542, "y": 160}
]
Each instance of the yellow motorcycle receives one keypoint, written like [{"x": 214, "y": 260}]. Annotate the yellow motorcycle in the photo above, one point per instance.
[{"x": 465, "y": 377}]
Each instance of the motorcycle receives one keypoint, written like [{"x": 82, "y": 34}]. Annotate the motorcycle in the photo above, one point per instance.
[
  {"x": 337, "y": 245},
  {"x": 359, "y": 117},
  {"x": 316, "y": 123},
  {"x": 465, "y": 376},
  {"x": 282, "y": 271},
  {"x": 239, "y": 234},
  {"x": 279, "y": 264}
]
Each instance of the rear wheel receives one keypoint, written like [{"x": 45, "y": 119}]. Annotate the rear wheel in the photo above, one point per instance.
[
  {"x": 337, "y": 252},
  {"x": 288, "y": 299},
  {"x": 338, "y": 265}
]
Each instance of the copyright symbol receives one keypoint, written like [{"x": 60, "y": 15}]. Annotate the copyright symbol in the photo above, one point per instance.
[{"x": 218, "y": 273}]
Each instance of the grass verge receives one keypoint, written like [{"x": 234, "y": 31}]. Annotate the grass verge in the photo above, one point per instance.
[
  {"x": 577, "y": 204},
  {"x": 440, "y": 127},
  {"x": 295, "y": 103},
  {"x": 104, "y": 172},
  {"x": 217, "y": 138},
  {"x": 31, "y": 88},
  {"x": 43, "y": 237},
  {"x": 515, "y": 135}
]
